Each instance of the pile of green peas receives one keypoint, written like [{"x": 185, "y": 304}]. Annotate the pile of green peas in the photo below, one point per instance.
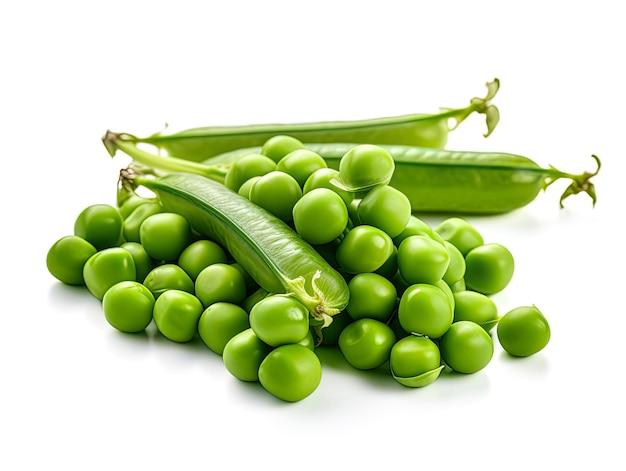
[{"x": 420, "y": 297}]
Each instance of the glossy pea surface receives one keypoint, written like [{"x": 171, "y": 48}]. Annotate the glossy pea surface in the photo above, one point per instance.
[
  {"x": 165, "y": 235},
  {"x": 279, "y": 320},
  {"x": 386, "y": 208},
  {"x": 366, "y": 166},
  {"x": 220, "y": 282},
  {"x": 276, "y": 147},
  {"x": 300, "y": 164},
  {"x": 475, "y": 307},
  {"x": 168, "y": 276},
  {"x": 422, "y": 260},
  {"x": 366, "y": 343},
  {"x": 460, "y": 233},
  {"x": 364, "y": 249},
  {"x": 252, "y": 165},
  {"x": 290, "y": 372},
  {"x": 106, "y": 268},
  {"x": 176, "y": 314},
  {"x": 128, "y": 306},
  {"x": 414, "y": 355},
  {"x": 100, "y": 225},
  {"x": 466, "y": 347},
  {"x": 489, "y": 268},
  {"x": 243, "y": 355},
  {"x": 371, "y": 295},
  {"x": 320, "y": 216},
  {"x": 425, "y": 309},
  {"x": 523, "y": 331},
  {"x": 143, "y": 262},
  {"x": 219, "y": 323},
  {"x": 199, "y": 255},
  {"x": 277, "y": 192},
  {"x": 66, "y": 259}
]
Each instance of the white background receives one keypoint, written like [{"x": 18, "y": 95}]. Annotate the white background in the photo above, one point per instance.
[{"x": 75, "y": 394}]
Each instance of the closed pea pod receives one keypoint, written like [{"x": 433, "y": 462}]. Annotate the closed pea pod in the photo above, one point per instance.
[
  {"x": 421, "y": 129},
  {"x": 274, "y": 256}
]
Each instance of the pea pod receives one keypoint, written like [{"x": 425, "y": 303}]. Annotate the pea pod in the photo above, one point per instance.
[
  {"x": 271, "y": 252},
  {"x": 447, "y": 181},
  {"x": 426, "y": 130}
]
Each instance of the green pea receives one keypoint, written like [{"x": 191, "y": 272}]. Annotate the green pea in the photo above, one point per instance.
[
  {"x": 133, "y": 221},
  {"x": 290, "y": 372},
  {"x": 364, "y": 249},
  {"x": 488, "y": 268},
  {"x": 456, "y": 267},
  {"x": 143, "y": 263},
  {"x": 308, "y": 341},
  {"x": 366, "y": 343},
  {"x": 460, "y": 233},
  {"x": 132, "y": 203},
  {"x": 199, "y": 255},
  {"x": 168, "y": 276},
  {"x": 251, "y": 285},
  {"x": 365, "y": 166},
  {"x": 523, "y": 331},
  {"x": 176, "y": 315},
  {"x": 67, "y": 257},
  {"x": 253, "y": 298},
  {"x": 416, "y": 226},
  {"x": 389, "y": 269},
  {"x": 165, "y": 235},
  {"x": 244, "y": 189},
  {"x": 458, "y": 286},
  {"x": 320, "y": 216},
  {"x": 128, "y": 306},
  {"x": 475, "y": 307},
  {"x": 277, "y": 192},
  {"x": 386, "y": 208},
  {"x": 220, "y": 282},
  {"x": 219, "y": 323},
  {"x": 100, "y": 225},
  {"x": 243, "y": 355},
  {"x": 277, "y": 147},
  {"x": 425, "y": 309},
  {"x": 371, "y": 295},
  {"x": 466, "y": 347},
  {"x": 322, "y": 178},
  {"x": 413, "y": 356},
  {"x": 422, "y": 260},
  {"x": 249, "y": 166},
  {"x": 300, "y": 164},
  {"x": 353, "y": 211},
  {"x": 443, "y": 286},
  {"x": 279, "y": 320},
  {"x": 107, "y": 268}
]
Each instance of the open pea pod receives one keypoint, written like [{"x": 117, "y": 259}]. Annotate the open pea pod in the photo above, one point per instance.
[
  {"x": 420, "y": 129},
  {"x": 419, "y": 381}
]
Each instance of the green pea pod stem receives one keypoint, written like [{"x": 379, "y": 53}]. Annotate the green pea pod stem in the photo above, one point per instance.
[
  {"x": 425, "y": 130},
  {"x": 270, "y": 251}
]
